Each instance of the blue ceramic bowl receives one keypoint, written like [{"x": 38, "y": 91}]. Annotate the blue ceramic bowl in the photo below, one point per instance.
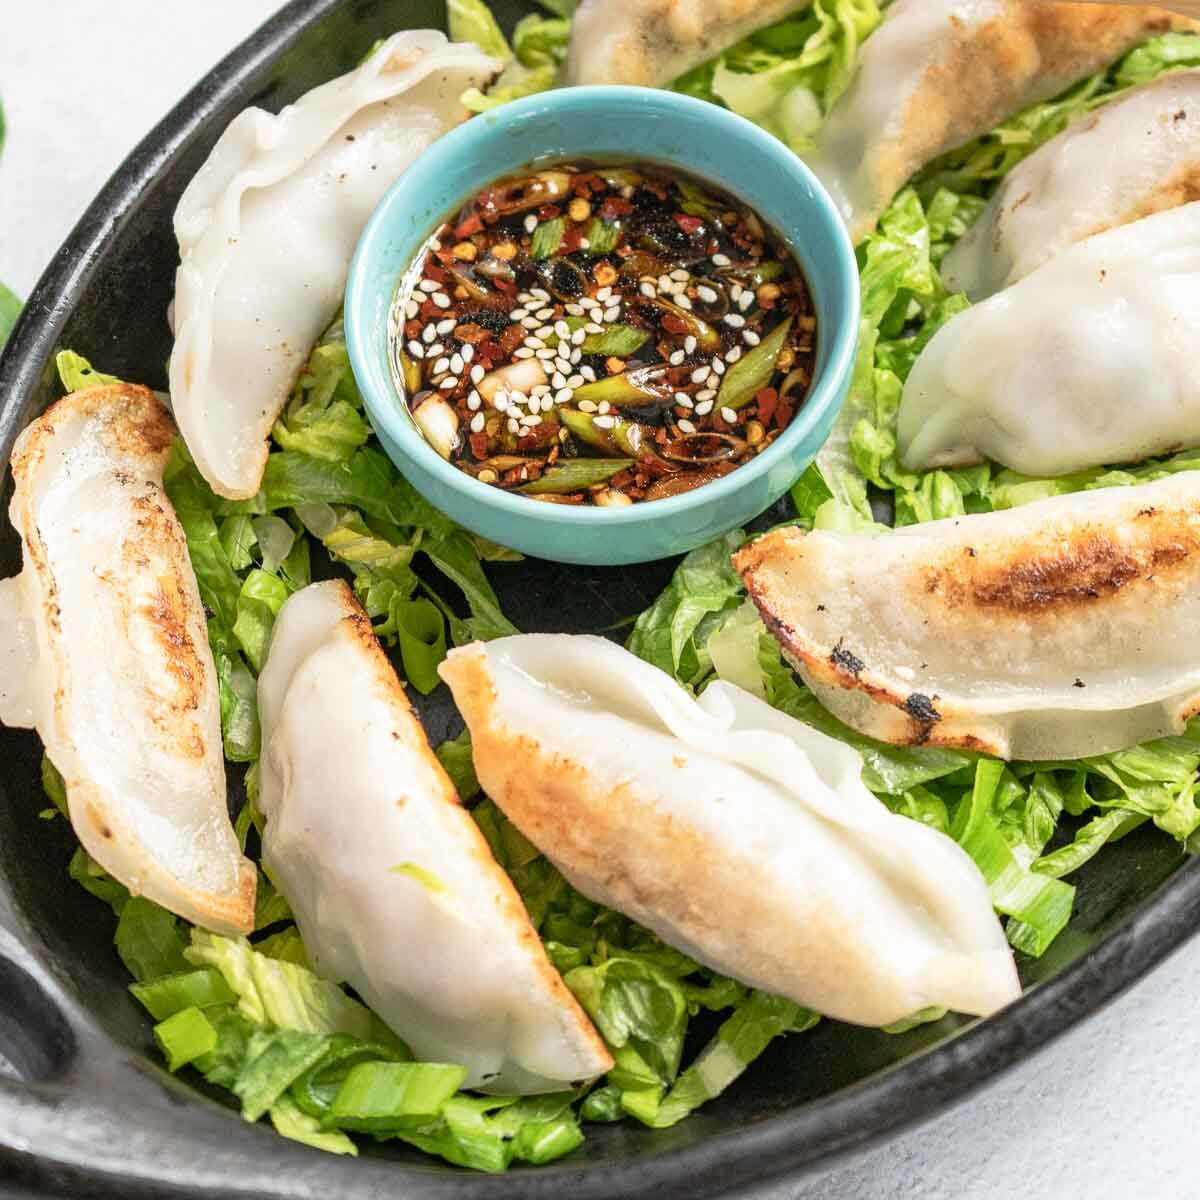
[{"x": 602, "y": 123}]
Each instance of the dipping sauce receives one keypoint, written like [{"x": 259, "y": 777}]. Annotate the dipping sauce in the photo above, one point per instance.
[{"x": 596, "y": 334}]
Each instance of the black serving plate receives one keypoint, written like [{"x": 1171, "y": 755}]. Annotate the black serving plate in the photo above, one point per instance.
[{"x": 84, "y": 1109}]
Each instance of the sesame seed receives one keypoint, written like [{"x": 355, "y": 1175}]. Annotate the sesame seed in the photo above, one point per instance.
[
  {"x": 706, "y": 294},
  {"x": 562, "y": 364},
  {"x": 611, "y": 314},
  {"x": 428, "y": 334},
  {"x": 487, "y": 475},
  {"x": 518, "y": 314},
  {"x": 477, "y": 372},
  {"x": 448, "y": 383},
  {"x": 532, "y": 421},
  {"x": 563, "y": 396},
  {"x": 513, "y": 425},
  {"x": 684, "y": 303},
  {"x": 474, "y": 400},
  {"x": 468, "y": 352},
  {"x": 728, "y": 415},
  {"x": 751, "y": 338},
  {"x": 664, "y": 283},
  {"x": 518, "y": 397},
  {"x": 587, "y": 406},
  {"x": 690, "y": 345},
  {"x": 588, "y": 302},
  {"x": 562, "y": 329},
  {"x": 584, "y": 244},
  {"x": 477, "y": 422},
  {"x": 735, "y": 320},
  {"x": 627, "y": 191},
  {"x": 648, "y": 290},
  {"x": 720, "y": 260},
  {"x": 441, "y": 299},
  {"x": 603, "y": 294},
  {"x": 680, "y": 274},
  {"x": 700, "y": 374},
  {"x": 683, "y": 400},
  {"x": 704, "y": 408},
  {"x": 544, "y": 331},
  {"x": 542, "y": 389},
  {"x": 531, "y": 223},
  {"x": 677, "y": 358},
  {"x": 429, "y": 285},
  {"x": 685, "y": 426},
  {"x": 435, "y": 350},
  {"x": 540, "y": 293},
  {"x": 734, "y": 354},
  {"x": 579, "y": 337},
  {"x": 592, "y": 327},
  {"x": 575, "y": 310},
  {"x": 575, "y": 381},
  {"x": 523, "y": 352},
  {"x": 441, "y": 366},
  {"x": 707, "y": 394},
  {"x": 745, "y": 300},
  {"x": 576, "y": 354},
  {"x": 524, "y": 297},
  {"x": 544, "y": 314},
  {"x": 588, "y": 373},
  {"x": 530, "y": 323},
  {"x": 735, "y": 291},
  {"x": 435, "y": 243},
  {"x": 411, "y": 308},
  {"x": 718, "y": 366},
  {"x": 604, "y": 406},
  {"x": 547, "y": 353},
  {"x": 416, "y": 349},
  {"x": 604, "y": 422},
  {"x": 446, "y": 326},
  {"x": 558, "y": 380}
]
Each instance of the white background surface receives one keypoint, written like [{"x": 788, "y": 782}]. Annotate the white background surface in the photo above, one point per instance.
[{"x": 1107, "y": 1113}]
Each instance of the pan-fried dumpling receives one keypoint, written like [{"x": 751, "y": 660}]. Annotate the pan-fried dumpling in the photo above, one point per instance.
[
  {"x": 1136, "y": 156},
  {"x": 740, "y": 836},
  {"x": 1089, "y": 360},
  {"x": 104, "y": 649},
  {"x": 267, "y": 229},
  {"x": 394, "y": 887},
  {"x": 652, "y": 42},
  {"x": 937, "y": 73},
  {"x": 1060, "y": 629}
]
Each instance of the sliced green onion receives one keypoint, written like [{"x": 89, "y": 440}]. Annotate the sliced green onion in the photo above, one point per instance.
[
  {"x": 380, "y": 1096},
  {"x": 290, "y": 1122},
  {"x": 185, "y": 1037},
  {"x": 573, "y": 474},
  {"x": 617, "y": 341},
  {"x": 421, "y": 630},
  {"x": 754, "y": 370},
  {"x": 602, "y": 236},
  {"x": 169, "y": 994},
  {"x": 547, "y": 238},
  {"x": 316, "y": 1089},
  {"x": 541, "y": 1142},
  {"x": 642, "y": 386}
]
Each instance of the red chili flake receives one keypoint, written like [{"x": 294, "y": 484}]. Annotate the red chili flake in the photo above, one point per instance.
[
  {"x": 434, "y": 272},
  {"x": 713, "y": 247},
  {"x": 622, "y": 478},
  {"x": 510, "y": 339},
  {"x": 540, "y": 435},
  {"x": 615, "y": 206},
  {"x": 571, "y": 240},
  {"x": 430, "y": 311},
  {"x": 479, "y": 445},
  {"x": 473, "y": 224},
  {"x": 672, "y": 324},
  {"x": 412, "y": 329},
  {"x": 689, "y": 225},
  {"x": 549, "y": 212},
  {"x": 507, "y": 286},
  {"x": 470, "y": 332},
  {"x": 767, "y": 399},
  {"x": 784, "y": 413}
]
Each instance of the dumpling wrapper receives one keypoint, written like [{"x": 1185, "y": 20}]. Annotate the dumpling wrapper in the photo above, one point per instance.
[
  {"x": 1060, "y": 629},
  {"x": 649, "y": 43},
  {"x": 104, "y": 650},
  {"x": 737, "y": 834},
  {"x": 1089, "y": 360},
  {"x": 268, "y": 226},
  {"x": 937, "y": 73},
  {"x": 394, "y": 888},
  {"x": 1136, "y": 156}
]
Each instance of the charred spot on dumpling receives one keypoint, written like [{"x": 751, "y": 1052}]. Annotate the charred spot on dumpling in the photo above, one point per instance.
[
  {"x": 920, "y": 708},
  {"x": 846, "y": 661}
]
